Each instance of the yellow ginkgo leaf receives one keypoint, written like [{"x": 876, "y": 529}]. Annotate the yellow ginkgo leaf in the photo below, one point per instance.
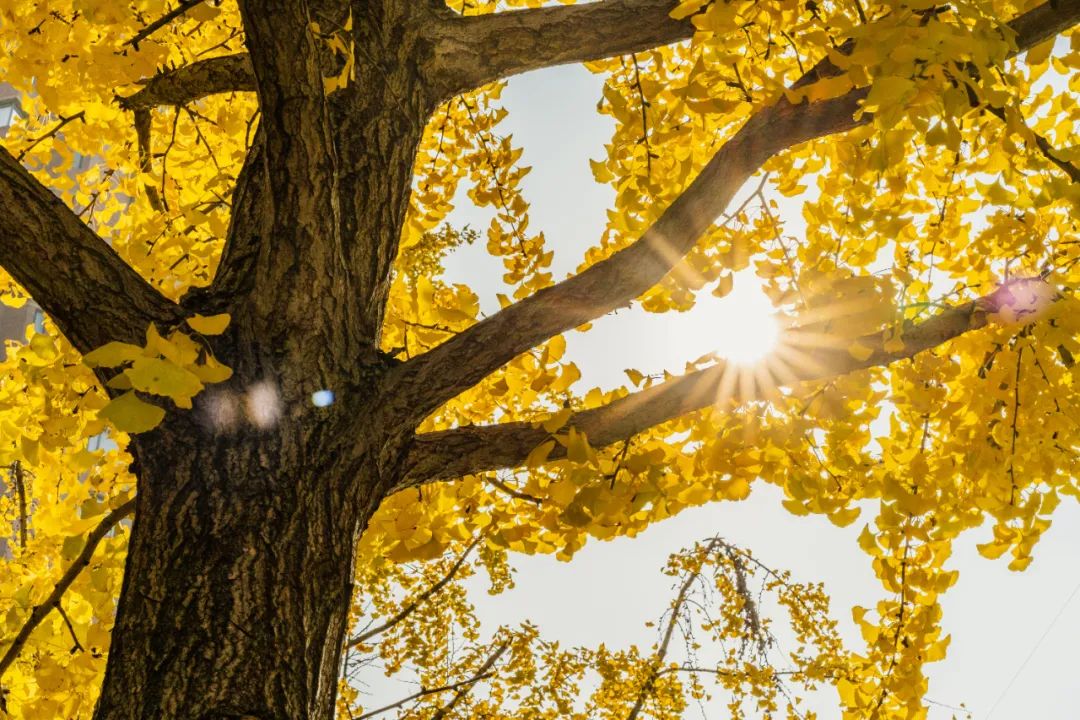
[
  {"x": 211, "y": 371},
  {"x": 161, "y": 377},
  {"x": 209, "y": 324},
  {"x": 112, "y": 354},
  {"x": 860, "y": 352},
  {"x": 131, "y": 415}
]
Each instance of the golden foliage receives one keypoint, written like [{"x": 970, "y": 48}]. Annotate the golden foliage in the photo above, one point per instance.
[{"x": 944, "y": 196}]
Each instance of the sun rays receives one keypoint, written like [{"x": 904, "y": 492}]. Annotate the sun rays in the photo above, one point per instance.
[{"x": 763, "y": 353}]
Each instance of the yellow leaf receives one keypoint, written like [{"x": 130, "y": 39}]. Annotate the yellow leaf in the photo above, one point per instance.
[
  {"x": 844, "y": 517},
  {"x": 992, "y": 550},
  {"x": 860, "y": 352},
  {"x": 724, "y": 285},
  {"x": 888, "y": 90},
  {"x": 600, "y": 171},
  {"x": 29, "y": 448},
  {"x": 847, "y": 691},
  {"x": 211, "y": 371},
  {"x": 539, "y": 454},
  {"x": 569, "y": 376},
  {"x": 562, "y": 491},
  {"x": 1041, "y": 52},
  {"x": 112, "y": 354},
  {"x": 43, "y": 346},
  {"x": 120, "y": 382},
  {"x": 557, "y": 420},
  {"x": 209, "y": 325},
  {"x": 161, "y": 377},
  {"x": 577, "y": 447},
  {"x": 131, "y": 415},
  {"x": 894, "y": 344}
]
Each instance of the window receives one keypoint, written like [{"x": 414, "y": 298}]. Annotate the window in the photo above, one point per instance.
[{"x": 9, "y": 110}]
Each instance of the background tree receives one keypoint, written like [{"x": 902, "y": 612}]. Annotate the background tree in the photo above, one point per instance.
[{"x": 265, "y": 219}]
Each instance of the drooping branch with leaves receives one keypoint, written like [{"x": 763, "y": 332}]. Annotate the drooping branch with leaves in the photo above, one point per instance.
[{"x": 234, "y": 216}]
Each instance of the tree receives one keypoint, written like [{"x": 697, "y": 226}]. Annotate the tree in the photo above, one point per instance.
[{"x": 264, "y": 226}]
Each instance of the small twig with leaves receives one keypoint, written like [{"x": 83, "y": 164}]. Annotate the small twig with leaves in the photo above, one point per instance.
[
  {"x": 18, "y": 476},
  {"x": 462, "y": 687},
  {"x": 512, "y": 492},
  {"x": 162, "y": 21},
  {"x": 81, "y": 116},
  {"x": 40, "y": 612},
  {"x": 71, "y": 628},
  {"x": 420, "y": 599}
]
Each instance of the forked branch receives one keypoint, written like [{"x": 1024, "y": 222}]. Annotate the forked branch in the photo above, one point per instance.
[
  {"x": 468, "y": 450},
  {"x": 442, "y": 373},
  {"x": 468, "y": 357},
  {"x": 362, "y": 637},
  {"x": 461, "y": 688}
]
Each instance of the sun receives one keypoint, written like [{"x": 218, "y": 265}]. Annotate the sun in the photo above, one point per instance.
[{"x": 743, "y": 323}]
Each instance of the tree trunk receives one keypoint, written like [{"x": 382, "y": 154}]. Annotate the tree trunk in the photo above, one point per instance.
[{"x": 239, "y": 573}]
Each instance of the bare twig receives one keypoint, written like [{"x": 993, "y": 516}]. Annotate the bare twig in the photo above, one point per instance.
[
  {"x": 411, "y": 607},
  {"x": 483, "y": 672},
  {"x": 162, "y": 21},
  {"x": 462, "y": 687},
  {"x": 71, "y": 628},
  {"x": 661, "y": 651},
  {"x": 52, "y": 133}
]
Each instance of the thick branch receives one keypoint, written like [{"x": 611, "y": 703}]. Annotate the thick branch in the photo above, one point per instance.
[
  {"x": 452, "y": 453},
  {"x": 464, "y": 360},
  {"x": 299, "y": 169},
  {"x": 470, "y": 356},
  {"x": 472, "y": 51},
  {"x": 88, "y": 290},
  {"x": 229, "y": 73},
  {"x": 41, "y": 611}
]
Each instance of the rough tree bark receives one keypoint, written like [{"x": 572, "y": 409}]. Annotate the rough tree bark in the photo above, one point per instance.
[{"x": 238, "y": 577}]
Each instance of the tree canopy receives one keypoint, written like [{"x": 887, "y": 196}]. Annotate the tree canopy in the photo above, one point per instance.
[{"x": 234, "y": 216}]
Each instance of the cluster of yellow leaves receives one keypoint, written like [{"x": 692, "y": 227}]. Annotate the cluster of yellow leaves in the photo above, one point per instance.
[
  {"x": 176, "y": 367},
  {"x": 719, "y": 634},
  {"x": 70, "y": 60},
  {"x": 59, "y": 480}
]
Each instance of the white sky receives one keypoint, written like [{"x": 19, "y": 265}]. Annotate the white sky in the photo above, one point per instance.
[{"x": 608, "y": 592}]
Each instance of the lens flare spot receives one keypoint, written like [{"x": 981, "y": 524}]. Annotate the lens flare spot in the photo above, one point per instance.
[
  {"x": 262, "y": 405},
  {"x": 221, "y": 410},
  {"x": 322, "y": 398}
]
